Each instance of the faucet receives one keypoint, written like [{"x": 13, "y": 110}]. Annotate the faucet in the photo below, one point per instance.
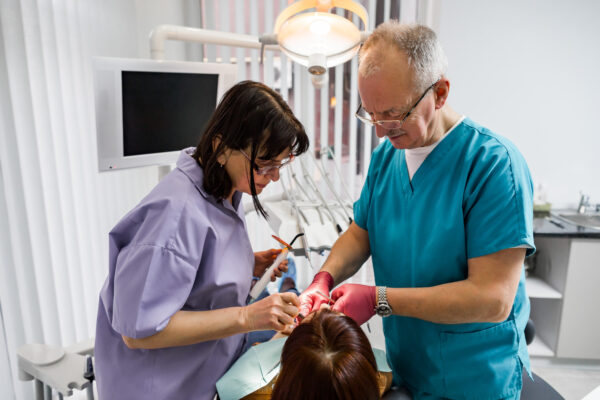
[{"x": 584, "y": 202}]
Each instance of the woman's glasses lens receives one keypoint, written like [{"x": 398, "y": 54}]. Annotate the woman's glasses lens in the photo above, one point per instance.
[{"x": 264, "y": 170}]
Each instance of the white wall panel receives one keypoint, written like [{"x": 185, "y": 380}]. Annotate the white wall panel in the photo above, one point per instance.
[
  {"x": 267, "y": 56},
  {"x": 408, "y": 10},
  {"x": 338, "y": 118},
  {"x": 6, "y": 386},
  {"x": 13, "y": 319},
  {"x": 528, "y": 71},
  {"x": 223, "y": 10},
  {"x": 240, "y": 53},
  {"x": 324, "y": 115},
  {"x": 350, "y": 175},
  {"x": 25, "y": 171},
  {"x": 283, "y": 61},
  {"x": 253, "y": 11}
]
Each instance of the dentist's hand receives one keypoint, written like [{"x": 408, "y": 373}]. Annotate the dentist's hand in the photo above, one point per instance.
[
  {"x": 356, "y": 301},
  {"x": 310, "y": 299},
  {"x": 275, "y": 312}
]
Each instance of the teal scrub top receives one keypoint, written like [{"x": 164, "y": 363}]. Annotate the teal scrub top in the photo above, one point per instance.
[
  {"x": 259, "y": 365},
  {"x": 471, "y": 196}
]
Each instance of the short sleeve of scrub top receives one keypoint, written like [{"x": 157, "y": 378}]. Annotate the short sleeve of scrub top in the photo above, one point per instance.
[
  {"x": 152, "y": 284},
  {"x": 498, "y": 199}
]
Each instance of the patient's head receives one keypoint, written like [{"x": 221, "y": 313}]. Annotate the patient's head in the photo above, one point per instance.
[{"x": 328, "y": 357}]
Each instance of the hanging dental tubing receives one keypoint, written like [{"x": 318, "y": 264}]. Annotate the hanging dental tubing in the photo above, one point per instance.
[
  {"x": 330, "y": 185},
  {"x": 320, "y": 196},
  {"x": 337, "y": 171},
  {"x": 291, "y": 196}
]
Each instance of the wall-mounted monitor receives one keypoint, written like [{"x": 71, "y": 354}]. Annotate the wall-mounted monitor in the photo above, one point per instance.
[{"x": 147, "y": 110}]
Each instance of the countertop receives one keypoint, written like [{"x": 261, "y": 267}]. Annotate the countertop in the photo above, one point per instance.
[{"x": 549, "y": 227}]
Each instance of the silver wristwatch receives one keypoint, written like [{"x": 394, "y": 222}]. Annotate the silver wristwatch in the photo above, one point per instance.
[{"x": 382, "y": 308}]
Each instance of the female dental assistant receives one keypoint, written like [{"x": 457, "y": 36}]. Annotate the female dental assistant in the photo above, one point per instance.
[{"x": 172, "y": 315}]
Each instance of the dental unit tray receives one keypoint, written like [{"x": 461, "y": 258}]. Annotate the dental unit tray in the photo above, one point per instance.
[{"x": 57, "y": 368}]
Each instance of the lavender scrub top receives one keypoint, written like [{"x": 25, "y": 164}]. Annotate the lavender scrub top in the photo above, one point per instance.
[{"x": 178, "y": 249}]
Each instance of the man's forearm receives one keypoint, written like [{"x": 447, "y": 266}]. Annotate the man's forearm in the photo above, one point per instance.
[
  {"x": 486, "y": 295},
  {"x": 348, "y": 254},
  {"x": 450, "y": 303}
]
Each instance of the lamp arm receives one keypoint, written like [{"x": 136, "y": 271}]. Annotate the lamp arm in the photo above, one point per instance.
[{"x": 162, "y": 33}]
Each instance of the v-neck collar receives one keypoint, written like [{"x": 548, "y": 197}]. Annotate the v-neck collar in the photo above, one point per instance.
[{"x": 430, "y": 162}]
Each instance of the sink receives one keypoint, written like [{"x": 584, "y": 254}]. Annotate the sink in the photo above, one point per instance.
[{"x": 586, "y": 220}]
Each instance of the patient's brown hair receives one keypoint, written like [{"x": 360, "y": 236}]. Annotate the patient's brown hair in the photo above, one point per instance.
[{"x": 328, "y": 357}]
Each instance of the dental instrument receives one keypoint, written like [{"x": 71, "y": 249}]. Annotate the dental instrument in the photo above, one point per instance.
[
  {"x": 266, "y": 278},
  {"x": 289, "y": 246},
  {"x": 327, "y": 297}
]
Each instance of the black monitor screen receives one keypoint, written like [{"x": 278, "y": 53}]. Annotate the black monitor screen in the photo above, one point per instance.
[{"x": 165, "y": 111}]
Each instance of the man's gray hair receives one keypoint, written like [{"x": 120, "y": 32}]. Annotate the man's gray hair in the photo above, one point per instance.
[{"x": 420, "y": 44}]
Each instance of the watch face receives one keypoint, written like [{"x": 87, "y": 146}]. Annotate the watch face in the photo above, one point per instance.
[{"x": 383, "y": 310}]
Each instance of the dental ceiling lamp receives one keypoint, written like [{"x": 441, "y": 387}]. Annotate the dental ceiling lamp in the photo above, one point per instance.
[{"x": 317, "y": 40}]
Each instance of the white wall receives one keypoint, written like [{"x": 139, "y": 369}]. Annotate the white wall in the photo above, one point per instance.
[{"x": 528, "y": 70}]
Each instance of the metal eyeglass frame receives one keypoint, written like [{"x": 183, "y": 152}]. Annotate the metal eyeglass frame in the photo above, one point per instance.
[
  {"x": 392, "y": 123},
  {"x": 269, "y": 169}
]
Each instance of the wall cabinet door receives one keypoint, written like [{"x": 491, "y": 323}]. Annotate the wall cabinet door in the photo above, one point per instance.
[{"x": 579, "y": 335}]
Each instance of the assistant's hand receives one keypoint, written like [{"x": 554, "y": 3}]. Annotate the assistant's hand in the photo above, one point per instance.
[
  {"x": 310, "y": 300},
  {"x": 274, "y": 312},
  {"x": 264, "y": 259},
  {"x": 356, "y": 301}
]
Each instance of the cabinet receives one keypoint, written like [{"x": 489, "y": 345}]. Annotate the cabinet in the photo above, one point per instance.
[
  {"x": 564, "y": 289},
  {"x": 579, "y": 333}
]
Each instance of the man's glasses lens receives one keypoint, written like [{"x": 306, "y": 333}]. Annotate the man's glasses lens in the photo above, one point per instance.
[{"x": 390, "y": 124}]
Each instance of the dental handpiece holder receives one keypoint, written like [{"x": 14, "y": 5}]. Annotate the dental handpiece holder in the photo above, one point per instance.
[{"x": 266, "y": 278}]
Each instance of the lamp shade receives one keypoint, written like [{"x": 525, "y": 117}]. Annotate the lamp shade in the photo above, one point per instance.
[{"x": 319, "y": 40}]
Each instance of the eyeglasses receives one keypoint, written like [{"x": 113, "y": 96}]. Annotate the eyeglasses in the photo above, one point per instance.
[
  {"x": 266, "y": 169},
  {"x": 390, "y": 124}
]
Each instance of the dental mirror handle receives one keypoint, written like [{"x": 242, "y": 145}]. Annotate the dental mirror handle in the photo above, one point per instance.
[{"x": 266, "y": 278}]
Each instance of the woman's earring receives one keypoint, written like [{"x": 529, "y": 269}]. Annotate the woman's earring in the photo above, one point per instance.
[{"x": 222, "y": 165}]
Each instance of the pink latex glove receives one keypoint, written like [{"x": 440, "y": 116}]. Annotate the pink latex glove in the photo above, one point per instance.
[
  {"x": 310, "y": 300},
  {"x": 356, "y": 301}
]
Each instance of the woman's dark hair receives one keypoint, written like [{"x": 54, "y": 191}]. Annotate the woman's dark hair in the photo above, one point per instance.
[
  {"x": 250, "y": 114},
  {"x": 328, "y": 357}
]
